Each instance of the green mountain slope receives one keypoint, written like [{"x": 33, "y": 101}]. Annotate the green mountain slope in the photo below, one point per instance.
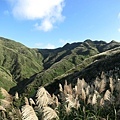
[
  {"x": 24, "y": 70},
  {"x": 67, "y": 60},
  {"x": 20, "y": 61},
  {"x": 91, "y": 68},
  {"x": 6, "y": 79},
  {"x": 31, "y": 68}
]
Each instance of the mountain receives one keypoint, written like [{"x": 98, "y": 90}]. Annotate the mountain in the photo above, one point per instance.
[
  {"x": 17, "y": 61},
  {"x": 65, "y": 62},
  {"x": 79, "y": 80},
  {"x": 26, "y": 69},
  {"x": 5, "y": 78},
  {"x": 106, "y": 62}
]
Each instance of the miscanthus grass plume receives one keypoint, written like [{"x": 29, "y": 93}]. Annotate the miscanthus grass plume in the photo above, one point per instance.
[{"x": 97, "y": 100}]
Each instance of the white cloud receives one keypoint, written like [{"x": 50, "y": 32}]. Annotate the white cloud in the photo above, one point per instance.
[
  {"x": 119, "y": 30},
  {"x": 119, "y": 15},
  {"x": 47, "y": 11},
  {"x": 63, "y": 42},
  {"x": 38, "y": 45},
  {"x": 119, "y": 19},
  {"x": 50, "y": 46},
  {"x": 46, "y": 25},
  {"x": 41, "y": 45}
]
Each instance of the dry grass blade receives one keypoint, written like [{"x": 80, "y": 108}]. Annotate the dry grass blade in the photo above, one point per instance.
[
  {"x": 107, "y": 95},
  {"x": 28, "y": 113},
  {"x": 70, "y": 100},
  {"x": 102, "y": 85},
  {"x": 26, "y": 101},
  {"x": 94, "y": 99},
  {"x": 84, "y": 84},
  {"x": 67, "y": 109},
  {"x": 97, "y": 94},
  {"x": 60, "y": 87},
  {"x": 75, "y": 88},
  {"x": 89, "y": 101},
  {"x": 67, "y": 88},
  {"x": 5, "y": 94},
  {"x": 49, "y": 114},
  {"x": 55, "y": 100},
  {"x": 83, "y": 95},
  {"x": 81, "y": 84},
  {"x": 31, "y": 101},
  {"x": 96, "y": 83},
  {"x": 5, "y": 103},
  {"x": 2, "y": 108},
  {"x": 16, "y": 95},
  {"x": 111, "y": 85},
  {"x": 87, "y": 90},
  {"x": 91, "y": 90},
  {"x": 43, "y": 97}
]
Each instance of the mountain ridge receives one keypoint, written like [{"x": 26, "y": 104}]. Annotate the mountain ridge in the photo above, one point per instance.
[
  {"x": 31, "y": 68},
  {"x": 49, "y": 74}
]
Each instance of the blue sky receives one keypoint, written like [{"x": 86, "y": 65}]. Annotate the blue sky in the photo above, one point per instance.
[{"x": 53, "y": 23}]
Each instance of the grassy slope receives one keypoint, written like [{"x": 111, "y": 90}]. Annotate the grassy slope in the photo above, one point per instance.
[
  {"x": 17, "y": 63},
  {"x": 21, "y": 61},
  {"x": 60, "y": 61},
  {"x": 43, "y": 66},
  {"x": 90, "y": 68},
  {"x": 82, "y": 60},
  {"x": 6, "y": 79},
  {"x": 66, "y": 61}
]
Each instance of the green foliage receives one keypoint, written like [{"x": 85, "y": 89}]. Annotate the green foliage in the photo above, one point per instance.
[
  {"x": 31, "y": 68},
  {"x": 68, "y": 62},
  {"x": 17, "y": 103},
  {"x": 88, "y": 112},
  {"x": 22, "y": 62},
  {"x": 6, "y": 81},
  {"x": 1, "y": 96}
]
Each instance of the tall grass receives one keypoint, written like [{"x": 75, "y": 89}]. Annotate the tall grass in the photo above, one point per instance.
[{"x": 99, "y": 100}]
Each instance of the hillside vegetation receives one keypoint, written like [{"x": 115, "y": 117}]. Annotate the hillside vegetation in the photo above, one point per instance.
[
  {"x": 68, "y": 61},
  {"x": 97, "y": 101},
  {"x": 27, "y": 68},
  {"x": 22, "y": 62},
  {"x": 76, "y": 81}
]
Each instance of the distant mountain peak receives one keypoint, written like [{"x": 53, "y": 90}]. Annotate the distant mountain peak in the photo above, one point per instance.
[{"x": 113, "y": 41}]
